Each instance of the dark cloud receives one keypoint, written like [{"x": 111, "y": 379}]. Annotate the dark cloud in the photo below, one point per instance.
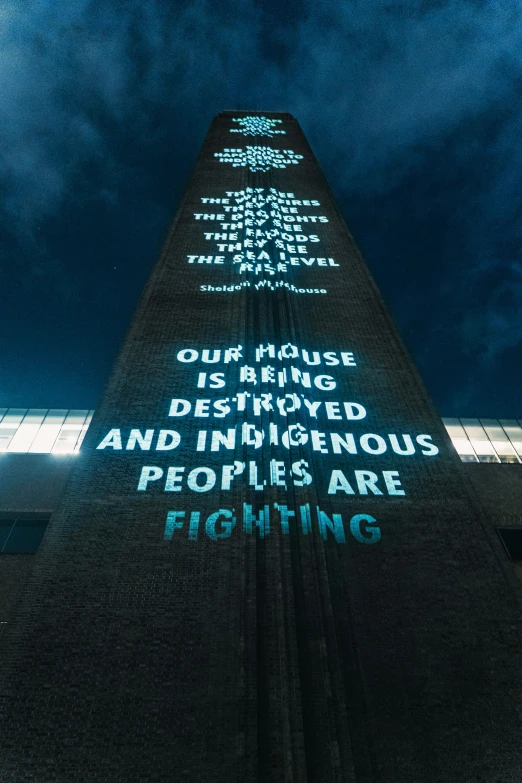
[{"x": 412, "y": 109}]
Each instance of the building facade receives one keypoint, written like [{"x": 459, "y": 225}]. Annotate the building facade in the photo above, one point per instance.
[{"x": 269, "y": 563}]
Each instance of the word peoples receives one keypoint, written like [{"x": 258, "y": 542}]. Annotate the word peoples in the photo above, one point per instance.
[{"x": 204, "y": 479}]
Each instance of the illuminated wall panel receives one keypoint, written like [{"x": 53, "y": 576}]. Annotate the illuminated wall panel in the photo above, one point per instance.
[
  {"x": 268, "y": 564},
  {"x": 70, "y": 432},
  {"x": 513, "y": 430},
  {"x": 42, "y": 431},
  {"x": 485, "y": 440},
  {"x": 85, "y": 427},
  {"x": 48, "y": 432},
  {"x": 63, "y": 431},
  {"x": 9, "y": 426},
  {"x": 27, "y": 430}
]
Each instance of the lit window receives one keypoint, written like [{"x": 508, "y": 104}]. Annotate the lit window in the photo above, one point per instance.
[
  {"x": 9, "y": 425},
  {"x": 48, "y": 432},
  {"x": 83, "y": 431},
  {"x": 27, "y": 431},
  {"x": 513, "y": 430},
  {"x": 482, "y": 445},
  {"x": 70, "y": 432},
  {"x": 460, "y": 440},
  {"x": 500, "y": 441},
  {"x": 42, "y": 431}
]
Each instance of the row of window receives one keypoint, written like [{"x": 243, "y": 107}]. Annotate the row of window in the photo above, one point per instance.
[
  {"x": 486, "y": 440},
  {"x": 23, "y": 536},
  {"x": 43, "y": 431}
]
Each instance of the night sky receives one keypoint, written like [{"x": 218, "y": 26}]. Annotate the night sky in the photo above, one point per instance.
[{"x": 413, "y": 110}]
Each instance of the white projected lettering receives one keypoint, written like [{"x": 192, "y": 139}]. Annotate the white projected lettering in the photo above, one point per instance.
[
  {"x": 267, "y": 436},
  {"x": 263, "y": 234},
  {"x": 267, "y": 417},
  {"x": 258, "y": 158},
  {"x": 257, "y": 126}
]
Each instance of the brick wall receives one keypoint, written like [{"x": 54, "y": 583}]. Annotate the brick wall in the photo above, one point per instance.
[{"x": 147, "y": 652}]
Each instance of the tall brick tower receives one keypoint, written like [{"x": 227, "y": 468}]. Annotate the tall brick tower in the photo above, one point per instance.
[{"x": 268, "y": 565}]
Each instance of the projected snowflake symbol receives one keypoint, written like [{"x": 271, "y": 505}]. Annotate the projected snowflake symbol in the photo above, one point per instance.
[
  {"x": 258, "y": 158},
  {"x": 257, "y": 126}
]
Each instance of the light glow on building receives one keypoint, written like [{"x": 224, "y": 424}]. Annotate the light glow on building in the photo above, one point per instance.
[
  {"x": 486, "y": 440},
  {"x": 43, "y": 431},
  {"x": 60, "y": 431}
]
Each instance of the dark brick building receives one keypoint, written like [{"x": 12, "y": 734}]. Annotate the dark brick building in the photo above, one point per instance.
[{"x": 269, "y": 563}]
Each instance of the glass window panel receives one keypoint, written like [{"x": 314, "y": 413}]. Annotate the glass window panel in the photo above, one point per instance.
[
  {"x": 9, "y": 425},
  {"x": 493, "y": 430},
  {"x": 479, "y": 440},
  {"x": 25, "y": 537},
  {"x": 70, "y": 432},
  {"x": 83, "y": 431},
  {"x": 514, "y": 432},
  {"x": 500, "y": 440},
  {"x": 26, "y": 432},
  {"x": 463, "y": 446},
  {"x": 459, "y": 438},
  {"x": 5, "y": 528},
  {"x": 487, "y": 457},
  {"x": 474, "y": 429},
  {"x": 454, "y": 428},
  {"x": 48, "y": 432}
]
